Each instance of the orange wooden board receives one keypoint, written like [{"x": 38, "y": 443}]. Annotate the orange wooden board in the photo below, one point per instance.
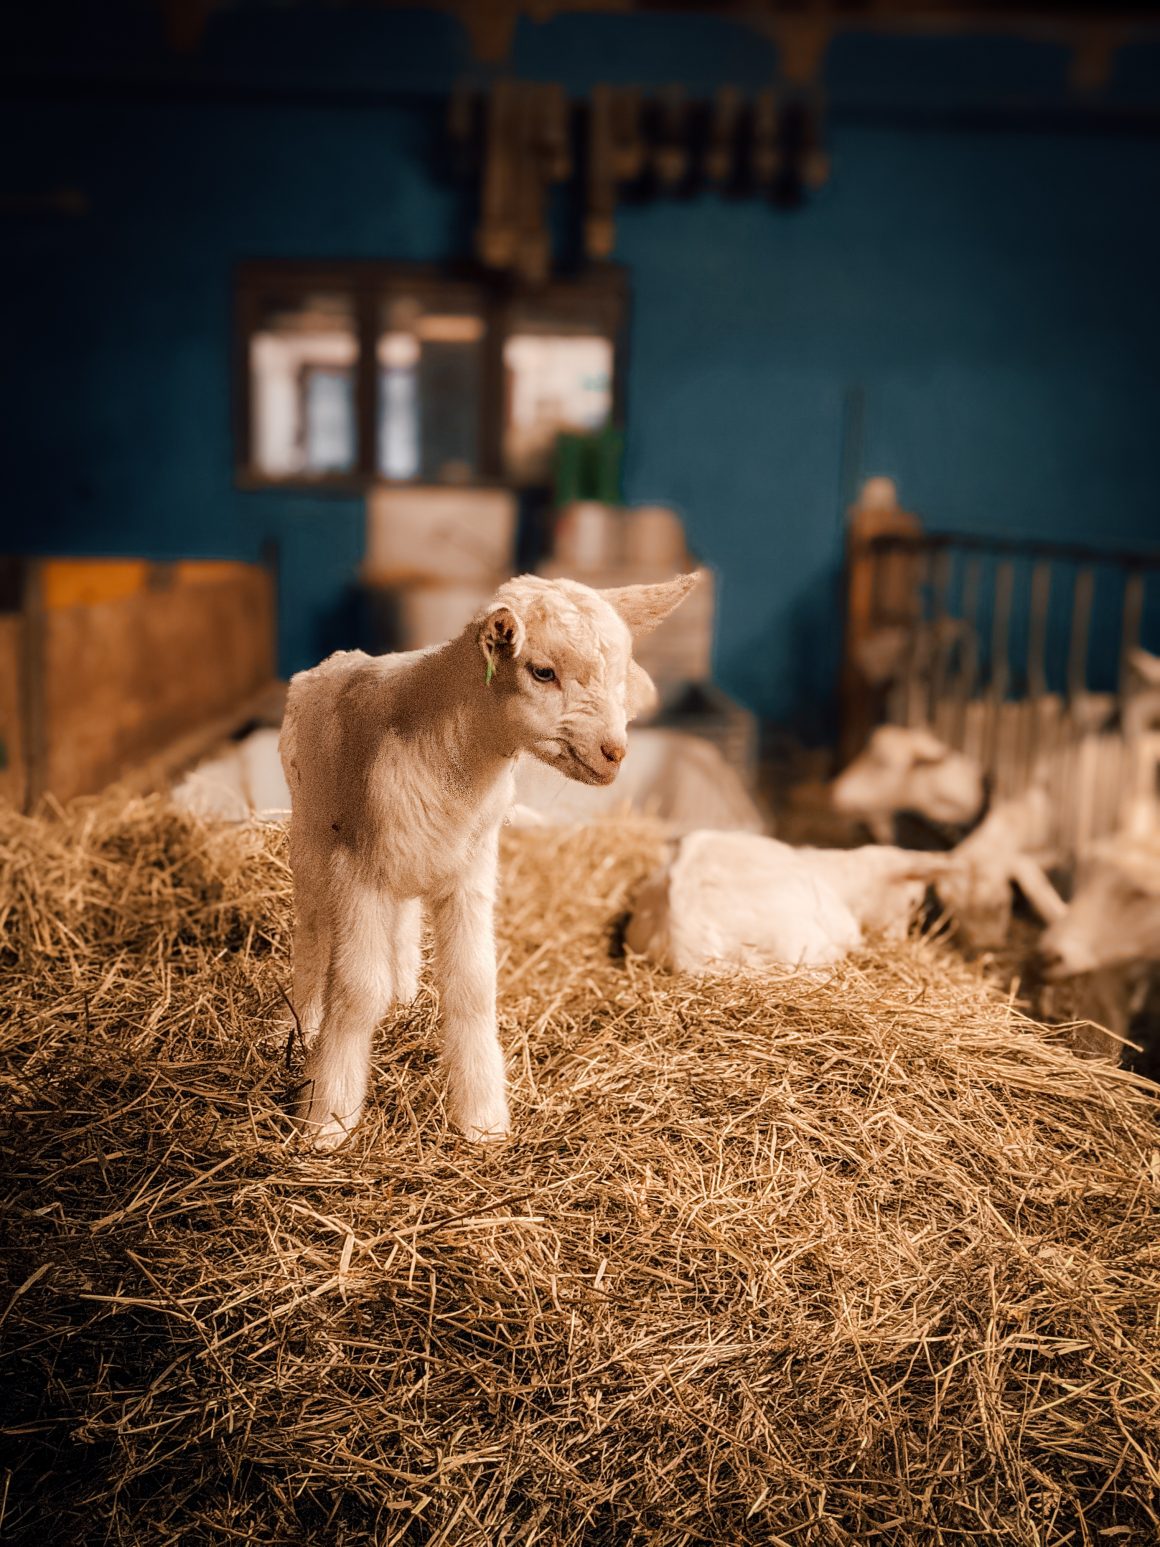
[{"x": 124, "y": 676}]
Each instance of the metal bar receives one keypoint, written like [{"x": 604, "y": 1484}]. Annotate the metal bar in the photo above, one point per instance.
[
  {"x": 968, "y": 673},
  {"x": 1081, "y": 617},
  {"x": 1037, "y": 629},
  {"x": 970, "y": 542},
  {"x": 941, "y": 636},
  {"x": 1076, "y": 745},
  {"x": 1131, "y": 761},
  {"x": 1130, "y": 632},
  {"x": 1001, "y": 630},
  {"x": 1039, "y": 612},
  {"x": 1000, "y": 662},
  {"x": 917, "y": 651}
]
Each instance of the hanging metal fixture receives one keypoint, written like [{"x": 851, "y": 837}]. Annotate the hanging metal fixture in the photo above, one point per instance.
[{"x": 520, "y": 139}]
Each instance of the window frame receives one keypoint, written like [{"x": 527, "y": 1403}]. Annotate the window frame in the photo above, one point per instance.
[{"x": 599, "y": 294}]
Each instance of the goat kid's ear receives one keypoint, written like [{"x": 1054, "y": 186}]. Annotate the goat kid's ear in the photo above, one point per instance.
[
  {"x": 643, "y": 607},
  {"x": 501, "y": 632},
  {"x": 642, "y": 693}
]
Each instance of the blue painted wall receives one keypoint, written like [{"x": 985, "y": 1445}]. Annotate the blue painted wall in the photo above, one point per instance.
[
  {"x": 979, "y": 276},
  {"x": 999, "y": 326}
]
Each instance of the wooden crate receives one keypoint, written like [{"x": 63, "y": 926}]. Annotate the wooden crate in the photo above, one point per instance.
[{"x": 110, "y": 662}]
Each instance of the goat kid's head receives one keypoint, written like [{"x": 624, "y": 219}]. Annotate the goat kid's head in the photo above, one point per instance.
[
  {"x": 906, "y": 768},
  {"x": 557, "y": 658},
  {"x": 1114, "y": 918}
]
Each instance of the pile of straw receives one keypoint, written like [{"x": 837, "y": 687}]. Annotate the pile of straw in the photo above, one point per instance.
[{"x": 869, "y": 1260}]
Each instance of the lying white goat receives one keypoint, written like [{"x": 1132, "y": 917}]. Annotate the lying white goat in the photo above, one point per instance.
[
  {"x": 736, "y": 899},
  {"x": 1004, "y": 851},
  {"x": 400, "y": 770}
]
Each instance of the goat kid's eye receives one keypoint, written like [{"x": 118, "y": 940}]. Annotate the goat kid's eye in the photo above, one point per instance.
[{"x": 542, "y": 673}]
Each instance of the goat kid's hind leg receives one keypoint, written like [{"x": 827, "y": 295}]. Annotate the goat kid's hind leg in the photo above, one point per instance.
[
  {"x": 358, "y": 988},
  {"x": 311, "y": 964},
  {"x": 465, "y": 969},
  {"x": 311, "y": 955}
]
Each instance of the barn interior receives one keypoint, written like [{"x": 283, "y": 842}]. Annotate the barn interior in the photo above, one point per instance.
[{"x": 832, "y": 1022}]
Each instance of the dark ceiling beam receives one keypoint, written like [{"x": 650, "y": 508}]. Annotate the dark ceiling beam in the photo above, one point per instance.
[
  {"x": 801, "y": 31},
  {"x": 185, "y": 22}
]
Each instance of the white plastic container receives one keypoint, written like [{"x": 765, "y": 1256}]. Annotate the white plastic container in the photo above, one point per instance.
[
  {"x": 432, "y": 614},
  {"x": 588, "y": 536},
  {"x": 654, "y": 535},
  {"x": 421, "y": 532}
]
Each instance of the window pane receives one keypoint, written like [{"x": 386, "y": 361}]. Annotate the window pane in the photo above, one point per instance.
[
  {"x": 303, "y": 363},
  {"x": 430, "y": 359},
  {"x": 556, "y": 381}
]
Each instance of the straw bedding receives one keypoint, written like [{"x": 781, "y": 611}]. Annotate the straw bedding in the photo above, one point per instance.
[{"x": 866, "y": 1260}]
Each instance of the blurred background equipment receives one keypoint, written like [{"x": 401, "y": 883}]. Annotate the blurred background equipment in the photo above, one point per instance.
[
  {"x": 990, "y": 646},
  {"x": 520, "y": 138}
]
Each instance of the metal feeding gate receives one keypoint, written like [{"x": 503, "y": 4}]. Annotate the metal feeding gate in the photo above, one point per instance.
[{"x": 1027, "y": 657}]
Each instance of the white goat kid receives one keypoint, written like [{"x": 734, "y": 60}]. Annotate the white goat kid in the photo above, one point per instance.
[{"x": 400, "y": 770}]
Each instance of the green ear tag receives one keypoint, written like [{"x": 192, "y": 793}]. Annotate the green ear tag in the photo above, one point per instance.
[{"x": 490, "y": 671}]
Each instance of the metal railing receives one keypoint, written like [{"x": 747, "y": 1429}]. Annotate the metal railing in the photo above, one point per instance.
[{"x": 1028, "y": 656}]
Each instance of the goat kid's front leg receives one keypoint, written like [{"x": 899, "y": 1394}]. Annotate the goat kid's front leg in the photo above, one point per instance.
[
  {"x": 407, "y": 952},
  {"x": 464, "y": 962}
]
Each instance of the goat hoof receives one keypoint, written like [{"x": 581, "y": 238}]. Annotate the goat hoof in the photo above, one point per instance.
[
  {"x": 324, "y": 1133},
  {"x": 490, "y": 1126},
  {"x": 329, "y": 1136},
  {"x": 486, "y": 1135}
]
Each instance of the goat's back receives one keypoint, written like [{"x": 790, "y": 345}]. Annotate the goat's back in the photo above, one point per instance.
[{"x": 336, "y": 715}]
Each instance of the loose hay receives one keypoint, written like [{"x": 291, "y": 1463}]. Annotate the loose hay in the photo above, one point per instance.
[{"x": 866, "y": 1260}]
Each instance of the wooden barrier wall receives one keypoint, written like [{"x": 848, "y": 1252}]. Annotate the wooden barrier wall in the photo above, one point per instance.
[
  {"x": 12, "y": 771},
  {"x": 109, "y": 662}
]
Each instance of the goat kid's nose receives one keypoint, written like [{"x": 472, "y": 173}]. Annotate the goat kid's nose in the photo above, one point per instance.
[{"x": 614, "y": 750}]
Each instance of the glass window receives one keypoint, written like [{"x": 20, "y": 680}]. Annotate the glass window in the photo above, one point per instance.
[
  {"x": 368, "y": 372},
  {"x": 556, "y": 381},
  {"x": 430, "y": 372},
  {"x": 303, "y": 361}
]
